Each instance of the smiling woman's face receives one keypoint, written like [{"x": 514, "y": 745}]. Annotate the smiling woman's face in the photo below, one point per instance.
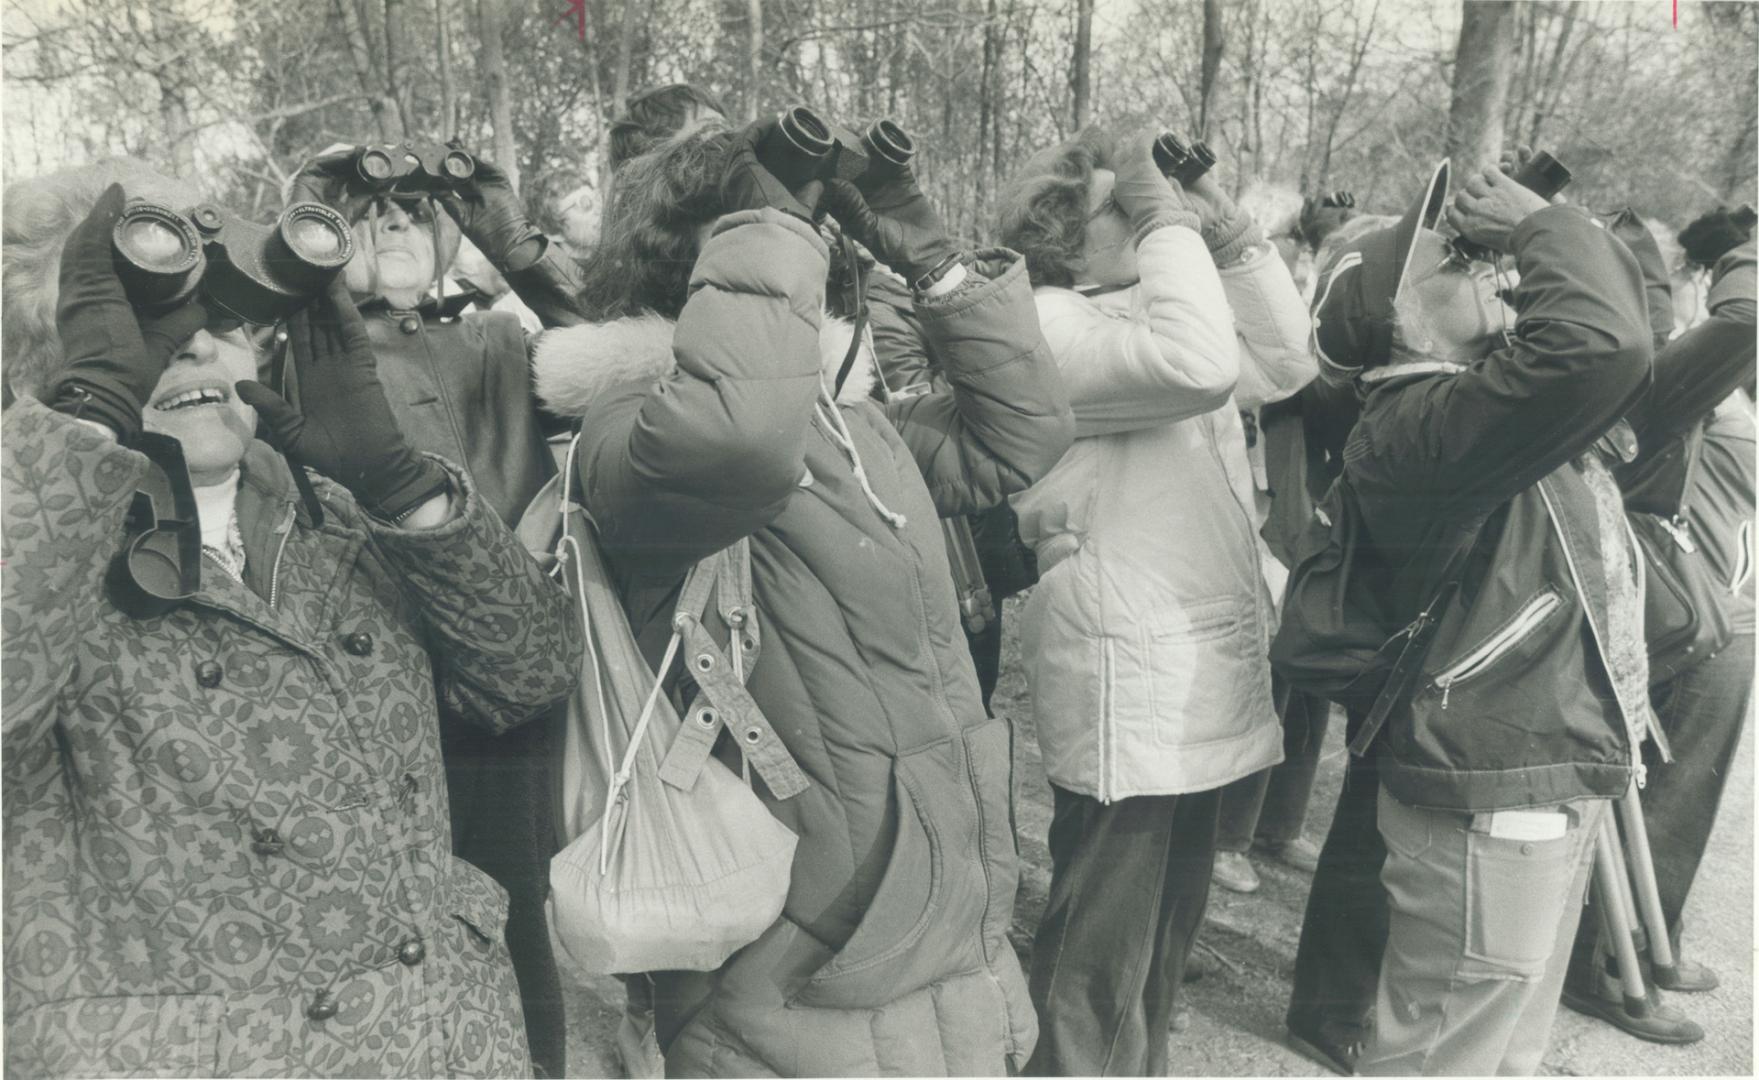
[{"x": 195, "y": 403}]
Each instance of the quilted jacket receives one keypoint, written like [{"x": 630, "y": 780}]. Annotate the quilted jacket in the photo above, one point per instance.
[
  {"x": 891, "y": 955},
  {"x": 1146, "y": 638},
  {"x": 226, "y": 843}
]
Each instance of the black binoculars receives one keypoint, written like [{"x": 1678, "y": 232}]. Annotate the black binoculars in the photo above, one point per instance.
[
  {"x": 800, "y": 146},
  {"x": 1543, "y": 175},
  {"x": 1180, "y": 161},
  {"x": 254, "y": 273},
  {"x": 414, "y": 168}
]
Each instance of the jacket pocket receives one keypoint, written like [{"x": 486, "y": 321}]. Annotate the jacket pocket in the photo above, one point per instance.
[
  {"x": 1196, "y": 679},
  {"x": 154, "y": 1035},
  {"x": 924, "y": 921},
  {"x": 1484, "y": 656},
  {"x": 478, "y": 901},
  {"x": 989, "y": 760}
]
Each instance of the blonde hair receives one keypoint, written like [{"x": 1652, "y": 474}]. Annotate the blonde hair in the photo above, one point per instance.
[{"x": 39, "y": 214}]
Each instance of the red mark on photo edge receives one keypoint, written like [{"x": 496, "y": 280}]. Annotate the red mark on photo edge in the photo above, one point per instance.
[{"x": 577, "y": 8}]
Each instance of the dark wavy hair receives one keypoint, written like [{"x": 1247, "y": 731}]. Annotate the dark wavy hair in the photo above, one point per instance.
[
  {"x": 648, "y": 243},
  {"x": 654, "y": 115},
  {"x": 1043, "y": 212}
]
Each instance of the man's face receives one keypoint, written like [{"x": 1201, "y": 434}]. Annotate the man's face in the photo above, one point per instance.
[
  {"x": 195, "y": 403},
  {"x": 1109, "y": 252},
  {"x": 394, "y": 252},
  {"x": 1452, "y": 305}
]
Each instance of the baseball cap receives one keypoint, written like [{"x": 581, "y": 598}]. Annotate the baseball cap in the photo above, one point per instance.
[{"x": 1353, "y": 306}]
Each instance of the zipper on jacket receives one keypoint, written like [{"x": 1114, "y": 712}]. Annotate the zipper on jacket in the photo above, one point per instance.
[
  {"x": 1496, "y": 646},
  {"x": 280, "y": 550},
  {"x": 1594, "y": 631},
  {"x": 1681, "y": 533}
]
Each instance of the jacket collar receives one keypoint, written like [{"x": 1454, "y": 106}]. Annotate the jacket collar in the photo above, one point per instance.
[{"x": 573, "y": 366}]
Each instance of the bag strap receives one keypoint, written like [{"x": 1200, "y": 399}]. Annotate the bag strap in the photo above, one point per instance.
[
  {"x": 724, "y": 700},
  {"x": 1419, "y": 635}
]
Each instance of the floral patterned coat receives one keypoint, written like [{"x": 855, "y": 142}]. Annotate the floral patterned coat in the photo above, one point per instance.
[{"x": 226, "y": 840}]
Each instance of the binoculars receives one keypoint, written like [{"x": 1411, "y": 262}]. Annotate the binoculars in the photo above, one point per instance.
[
  {"x": 1183, "y": 162},
  {"x": 1543, "y": 175},
  {"x": 800, "y": 146},
  {"x": 254, "y": 273},
  {"x": 413, "y": 168}
]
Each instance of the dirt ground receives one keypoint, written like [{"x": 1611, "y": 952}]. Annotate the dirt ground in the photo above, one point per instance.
[{"x": 1237, "y": 1011}]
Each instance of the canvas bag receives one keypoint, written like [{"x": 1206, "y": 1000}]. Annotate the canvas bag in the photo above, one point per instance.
[{"x": 673, "y": 872}]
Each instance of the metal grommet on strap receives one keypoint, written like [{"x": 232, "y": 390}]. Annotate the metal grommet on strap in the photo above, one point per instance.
[
  {"x": 753, "y": 735},
  {"x": 707, "y": 718},
  {"x": 705, "y": 662}
]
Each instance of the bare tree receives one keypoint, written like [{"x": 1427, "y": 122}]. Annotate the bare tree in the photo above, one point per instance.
[
  {"x": 493, "y": 72},
  {"x": 1212, "y": 62},
  {"x": 1081, "y": 66},
  {"x": 386, "y": 115},
  {"x": 448, "y": 125},
  {"x": 1483, "y": 64},
  {"x": 753, "y": 57}
]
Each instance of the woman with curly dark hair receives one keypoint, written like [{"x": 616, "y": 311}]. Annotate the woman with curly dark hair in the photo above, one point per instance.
[{"x": 710, "y": 413}]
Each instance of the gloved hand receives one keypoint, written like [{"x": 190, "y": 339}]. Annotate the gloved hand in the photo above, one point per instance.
[
  {"x": 491, "y": 215},
  {"x": 1228, "y": 231},
  {"x": 332, "y": 179},
  {"x": 893, "y": 219},
  {"x": 1142, "y": 192},
  {"x": 747, "y": 185},
  {"x": 344, "y": 428},
  {"x": 114, "y": 357}
]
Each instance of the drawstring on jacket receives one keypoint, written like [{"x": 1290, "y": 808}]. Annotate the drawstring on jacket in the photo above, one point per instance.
[{"x": 839, "y": 432}]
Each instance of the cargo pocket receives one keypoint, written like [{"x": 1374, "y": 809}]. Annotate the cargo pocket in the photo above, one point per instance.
[
  {"x": 924, "y": 920},
  {"x": 152, "y": 1035},
  {"x": 1515, "y": 894}
]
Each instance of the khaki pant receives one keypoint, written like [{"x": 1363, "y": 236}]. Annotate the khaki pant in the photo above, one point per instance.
[{"x": 1479, "y": 940}]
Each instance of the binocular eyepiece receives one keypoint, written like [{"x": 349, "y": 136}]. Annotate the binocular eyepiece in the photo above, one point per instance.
[
  {"x": 254, "y": 273},
  {"x": 802, "y": 145},
  {"x": 1182, "y": 162},
  {"x": 413, "y": 167}
]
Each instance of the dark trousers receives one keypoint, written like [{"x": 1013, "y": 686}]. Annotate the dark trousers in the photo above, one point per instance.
[
  {"x": 1344, "y": 933},
  {"x": 1702, "y": 713},
  {"x": 1272, "y": 804},
  {"x": 501, "y": 789},
  {"x": 1129, "y": 882},
  {"x": 986, "y": 655}
]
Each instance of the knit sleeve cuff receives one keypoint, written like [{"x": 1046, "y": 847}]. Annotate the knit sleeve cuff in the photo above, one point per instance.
[
  {"x": 1229, "y": 240},
  {"x": 1165, "y": 218}
]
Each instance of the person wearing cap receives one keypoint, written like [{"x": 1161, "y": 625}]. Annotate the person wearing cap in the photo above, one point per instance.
[
  {"x": 1145, "y": 637},
  {"x": 1481, "y": 457},
  {"x": 225, "y": 812},
  {"x": 459, "y": 383}
]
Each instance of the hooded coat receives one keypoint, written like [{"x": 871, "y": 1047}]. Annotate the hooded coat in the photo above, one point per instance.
[
  {"x": 226, "y": 841},
  {"x": 890, "y": 956}
]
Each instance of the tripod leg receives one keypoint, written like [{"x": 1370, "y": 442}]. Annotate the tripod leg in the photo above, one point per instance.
[
  {"x": 1648, "y": 894},
  {"x": 1611, "y": 901}
]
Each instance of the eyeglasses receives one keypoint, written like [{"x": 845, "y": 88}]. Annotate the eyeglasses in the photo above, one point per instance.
[{"x": 1106, "y": 205}]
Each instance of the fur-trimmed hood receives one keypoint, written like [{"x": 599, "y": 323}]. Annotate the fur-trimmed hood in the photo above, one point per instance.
[{"x": 571, "y": 366}]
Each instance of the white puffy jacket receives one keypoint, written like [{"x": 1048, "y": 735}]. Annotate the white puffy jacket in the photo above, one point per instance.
[{"x": 1146, "y": 636}]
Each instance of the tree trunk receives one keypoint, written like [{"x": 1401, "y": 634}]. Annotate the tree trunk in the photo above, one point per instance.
[
  {"x": 1212, "y": 62},
  {"x": 1738, "y": 164},
  {"x": 492, "y": 66},
  {"x": 448, "y": 126},
  {"x": 753, "y": 58},
  {"x": 987, "y": 106},
  {"x": 625, "y": 55},
  {"x": 1483, "y": 64},
  {"x": 397, "y": 61},
  {"x": 1080, "y": 73},
  {"x": 360, "y": 57}
]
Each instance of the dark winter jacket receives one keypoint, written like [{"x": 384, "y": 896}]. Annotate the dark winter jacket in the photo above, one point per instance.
[
  {"x": 226, "y": 843},
  {"x": 891, "y": 955},
  {"x": 1516, "y": 705}
]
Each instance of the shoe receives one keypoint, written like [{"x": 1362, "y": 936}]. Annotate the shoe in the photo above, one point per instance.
[
  {"x": 1181, "y": 1018},
  {"x": 1338, "y": 1057},
  {"x": 1659, "y": 1024},
  {"x": 1300, "y": 853},
  {"x": 1689, "y": 977},
  {"x": 1233, "y": 871},
  {"x": 1197, "y": 964}
]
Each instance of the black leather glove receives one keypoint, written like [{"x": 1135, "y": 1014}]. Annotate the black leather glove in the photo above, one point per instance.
[
  {"x": 344, "y": 428},
  {"x": 491, "y": 215},
  {"x": 332, "y": 179},
  {"x": 893, "y": 219},
  {"x": 114, "y": 357},
  {"x": 747, "y": 185}
]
